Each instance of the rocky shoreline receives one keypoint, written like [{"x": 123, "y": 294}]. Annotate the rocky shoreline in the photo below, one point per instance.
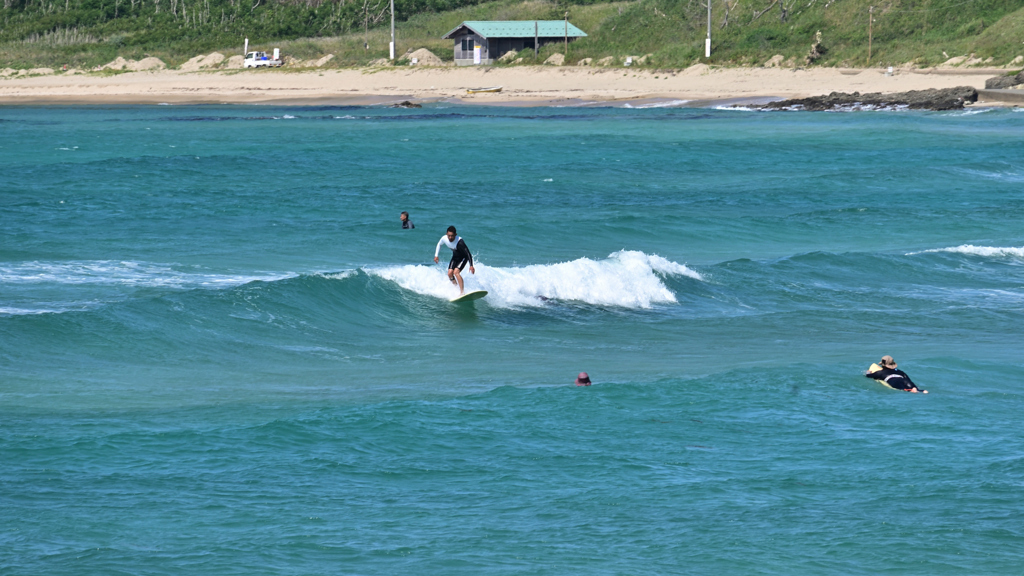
[{"x": 932, "y": 99}]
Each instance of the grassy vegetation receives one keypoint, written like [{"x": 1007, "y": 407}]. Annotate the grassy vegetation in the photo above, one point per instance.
[
  {"x": 927, "y": 32},
  {"x": 91, "y": 32},
  {"x": 425, "y": 30}
]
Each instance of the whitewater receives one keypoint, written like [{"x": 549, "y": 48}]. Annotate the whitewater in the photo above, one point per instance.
[
  {"x": 627, "y": 279},
  {"x": 221, "y": 353}
]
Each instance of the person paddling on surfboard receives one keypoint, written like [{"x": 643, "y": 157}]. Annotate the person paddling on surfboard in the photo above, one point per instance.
[
  {"x": 460, "y": 257},
  {"x": 892, "y": 377}
]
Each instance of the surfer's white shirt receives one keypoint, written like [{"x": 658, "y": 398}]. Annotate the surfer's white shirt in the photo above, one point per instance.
[{"x": 453, "y": 244}]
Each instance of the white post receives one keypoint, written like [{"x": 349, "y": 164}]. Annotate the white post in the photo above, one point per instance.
[
  {"x": 707, "y": 43},
  {"x": 392, "y": 29},
  {"x": 246, "y": 49}
]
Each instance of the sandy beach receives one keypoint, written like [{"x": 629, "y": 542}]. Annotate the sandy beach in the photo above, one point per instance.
[{"x": 520, "y": 85}]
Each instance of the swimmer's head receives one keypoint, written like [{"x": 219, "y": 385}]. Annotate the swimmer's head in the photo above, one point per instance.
[{"x": 583, "y": 379}]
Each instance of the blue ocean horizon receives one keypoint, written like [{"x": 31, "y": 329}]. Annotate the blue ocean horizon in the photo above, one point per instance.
[{"x": 221, "y": 353}]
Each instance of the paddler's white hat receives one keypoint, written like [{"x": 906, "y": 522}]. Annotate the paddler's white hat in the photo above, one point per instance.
[{"x": 887, "y": 362}]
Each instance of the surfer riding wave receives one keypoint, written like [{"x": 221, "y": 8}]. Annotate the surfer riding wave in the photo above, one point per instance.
[{"x": 460, "y": 257}]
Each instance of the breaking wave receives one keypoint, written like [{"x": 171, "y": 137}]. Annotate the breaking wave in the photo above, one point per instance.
[
  {"x": 988, "y": 251},
  {"x": 629, "y": 279},
  {"x": 140, "y": 274}
]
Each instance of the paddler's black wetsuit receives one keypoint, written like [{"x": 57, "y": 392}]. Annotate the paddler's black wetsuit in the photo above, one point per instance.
[{"x": 897, "y": 379}]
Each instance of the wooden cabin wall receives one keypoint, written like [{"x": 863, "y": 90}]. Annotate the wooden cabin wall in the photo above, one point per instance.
[{"x": 494, "y": 48}]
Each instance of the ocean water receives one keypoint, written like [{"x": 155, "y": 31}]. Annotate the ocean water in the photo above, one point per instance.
[{"x": 220, "y": 354}]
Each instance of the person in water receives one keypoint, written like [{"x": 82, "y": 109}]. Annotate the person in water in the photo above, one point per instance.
[
  {"x": 406, "y": 223},
  {"x": 460, "y": 257},
  {"x": 897, "y": 379},
  {"x": 583, "y": 379}
]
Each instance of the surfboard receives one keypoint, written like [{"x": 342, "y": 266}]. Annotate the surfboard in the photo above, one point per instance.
[{"x": 470, "y": 296}]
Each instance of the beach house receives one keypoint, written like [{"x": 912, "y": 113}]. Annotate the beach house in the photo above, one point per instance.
[{"x": 483, "y": 42}]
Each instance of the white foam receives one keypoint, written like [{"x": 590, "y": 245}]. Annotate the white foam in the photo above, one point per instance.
[
  {"x": 1006, "y": 176},
  {"x": 861, "y": 107},
  {"x": 109, "y": 272},
  {"x": 971, "y": 111},
  {"x": 7, "y": 311},
  {"x": 661, "y": 104},
  {"x": 629, "y": 279},
  {"x": 992, "y": 251}
]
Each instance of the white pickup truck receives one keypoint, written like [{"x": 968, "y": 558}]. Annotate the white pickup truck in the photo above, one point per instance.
[{"x": 259, "y": 60}]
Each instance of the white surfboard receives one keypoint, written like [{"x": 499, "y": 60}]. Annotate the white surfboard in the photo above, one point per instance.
[{"x": 469, "y": 296}]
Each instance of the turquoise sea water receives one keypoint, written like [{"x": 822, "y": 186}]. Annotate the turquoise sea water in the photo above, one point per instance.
[{"x": 220, "y": 354}]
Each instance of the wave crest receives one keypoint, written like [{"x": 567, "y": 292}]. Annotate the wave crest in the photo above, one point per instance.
[
  {"x": 109, "y": 272},
  {"x": 990, "y": 251},
  {"x": 629, "y": 279}
]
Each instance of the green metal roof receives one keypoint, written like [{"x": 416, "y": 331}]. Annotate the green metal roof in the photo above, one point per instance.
[{"x": 518, "y": 29}]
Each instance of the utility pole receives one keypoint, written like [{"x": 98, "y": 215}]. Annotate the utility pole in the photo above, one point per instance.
[
  {"x": 871, "y": 19},
  {"x": 535, "y": 37},
  {"x": 707, "y": 43},
  {"x": 392, "y": 29},
  {"x": 567, "y": 36}
]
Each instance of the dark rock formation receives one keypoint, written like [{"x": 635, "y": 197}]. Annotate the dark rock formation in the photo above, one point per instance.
[
  {"x": 1001, "y": 82},
  {"x": 407, "y": 104},
  {"x": 933, "y": 99}
]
